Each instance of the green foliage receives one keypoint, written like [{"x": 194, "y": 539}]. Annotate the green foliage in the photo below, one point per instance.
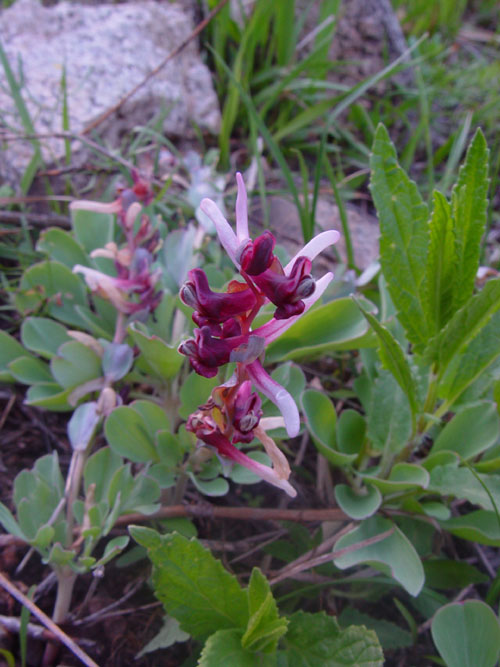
[
  {"x": 392, "y": 553},
  {"x": 467, "y": 633},
  {"x": 243, "y": 626}
]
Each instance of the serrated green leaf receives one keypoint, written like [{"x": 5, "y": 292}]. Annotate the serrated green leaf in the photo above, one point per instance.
[
  {"x": 466, "y": 326},
  {"x": 390, "y": 635},
  {"x": 404, "y": 236},
  {"x": 393, "y": 554},
  {"x": 169, "y": 634},
  {"x": 469, "y": 204},
  {"x": 193, "y": 586},
  {"x": 440, "y": 271},
  {"x": 467, "y": 634},
  {"x": 316, "y": 639},
  {"x": 224, "y": 649},
  {"x": 474, "y": 360},
  {"x": 43, "y": 336},
  {"x": 394, "y": 360},
  {"x": 265, "y": 627}
]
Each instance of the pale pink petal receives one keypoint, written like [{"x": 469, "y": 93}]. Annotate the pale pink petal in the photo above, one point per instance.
[
  {"x": 241, "y": 210},
  {"x": 277, "y": 394},
  {"x": 264, "y": 472},
  {"x": 314, "y": 247},
  {"x": 280, "y": 462},
  {"x": 98, "y": 207},
  {"x": 270, "y": 423},
  {"x": 106, "y": 286},
  {"x": 274, "y": 328},
  {"x": 227, "y": 237}
]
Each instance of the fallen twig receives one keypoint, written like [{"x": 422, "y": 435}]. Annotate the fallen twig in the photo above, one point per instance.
[
  {"x": 47, "y": 622},
  {"x": 36, "y": 219},
  {"x": 326, "y": 558},
  {"x": 207, "y": 511}
]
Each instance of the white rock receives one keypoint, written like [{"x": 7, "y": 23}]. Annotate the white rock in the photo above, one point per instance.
[{"x": 106, "y": 50}]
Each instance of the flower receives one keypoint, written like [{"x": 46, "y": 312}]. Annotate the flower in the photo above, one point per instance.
[
  {"x": 233, "y": 414},
  {"x": 224, "y": 334},
  {"x": 140, "y": 192},
  {"x": 211, "y": 307},
  {"x": 136, "y": 278}
]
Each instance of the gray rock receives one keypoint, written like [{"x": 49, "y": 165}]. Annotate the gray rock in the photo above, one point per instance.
[
  {"x": 106, "y": 50},
  {"x": 363, "y": 227}
]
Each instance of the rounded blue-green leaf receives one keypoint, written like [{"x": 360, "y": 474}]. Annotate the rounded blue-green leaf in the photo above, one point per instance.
[
  {"x": 403, "y": 476},
  {"x": 10, "y": 349},
  {"x": 49, "y": 395},
  {"x": 351, "y": 431},
  {"x": 92, "y": 230},
  {"x": 195, "y": 392},
  {"x": 338, "y": 325},
  {"x": 43, "y": 336},
  {"x": 210, "y": 487},
  {"x": 393, "y": 554},
  {"x": 467, "y": 634},
  {"x": 61, "y": 246},
  {"x": 358, "y": 505},
  {"x": 82, "y": 425},
  {"x": 117, "y": 361},
  {"x": 75, "y": 365},
  {"x": 321, "y": 421},
  {"x": 54, "y": 285},
  {"x": 127, "y": 435},
  {"x": 154, "y": 416},
  {"x": 471, "y": 431},
  {"x": 29, "y": 370},
  {"x": 161, "y": 359}
]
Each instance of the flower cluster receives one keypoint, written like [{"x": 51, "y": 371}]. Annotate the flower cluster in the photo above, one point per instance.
[
  {"x": 133, "y": 289},
  {"x": 224, "y": 334}
]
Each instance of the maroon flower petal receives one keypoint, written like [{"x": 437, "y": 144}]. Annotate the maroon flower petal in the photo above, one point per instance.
[
  {"x": 287, "y": 291},
  {"x": 256, "y": 256},
  {"x": 213, "y": 307}
]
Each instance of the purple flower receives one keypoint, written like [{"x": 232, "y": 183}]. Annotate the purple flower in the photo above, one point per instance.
[
  {"x": 233, "y": 413},
  {"x": 212, "y": 307},
  {"x": 206, "y": 429}
]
